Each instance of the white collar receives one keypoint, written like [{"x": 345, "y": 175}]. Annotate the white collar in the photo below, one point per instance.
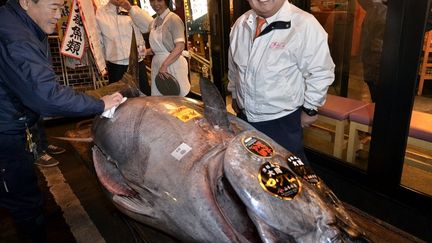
[
  {"x": 111, "y": 7},
  {"x": 165, "y": 13}
]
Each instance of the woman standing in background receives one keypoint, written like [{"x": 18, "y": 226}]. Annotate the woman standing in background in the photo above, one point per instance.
[{"x": 167, "y": 42}]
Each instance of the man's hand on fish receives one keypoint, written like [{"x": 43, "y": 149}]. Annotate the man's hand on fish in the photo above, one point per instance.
[{"x": 112, "y": 100}]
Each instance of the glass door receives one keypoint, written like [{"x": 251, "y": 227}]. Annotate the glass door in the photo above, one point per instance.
[
  {"x": 355, "y": 31},
  {"x": 198, "y": 41},
  {"x": 417, "y": 168}
]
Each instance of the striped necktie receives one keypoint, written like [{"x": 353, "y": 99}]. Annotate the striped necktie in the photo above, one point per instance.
[{"x": 158, "y": 22}]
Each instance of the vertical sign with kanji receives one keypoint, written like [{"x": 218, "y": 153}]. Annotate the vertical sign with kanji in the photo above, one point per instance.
[{"x": 73, "y": 44}]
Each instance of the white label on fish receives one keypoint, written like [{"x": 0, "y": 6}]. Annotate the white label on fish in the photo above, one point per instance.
[{"x": 181, "y": 151}]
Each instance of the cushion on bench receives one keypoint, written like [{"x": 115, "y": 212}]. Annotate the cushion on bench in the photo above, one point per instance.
[
  {"x": 339, "y": 108},
  {"x": 421, "y": 126},
  {"x": 363, "y": 115}
]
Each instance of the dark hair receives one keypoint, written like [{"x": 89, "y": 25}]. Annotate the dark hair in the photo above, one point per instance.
[{"x": 168, "y": 4}]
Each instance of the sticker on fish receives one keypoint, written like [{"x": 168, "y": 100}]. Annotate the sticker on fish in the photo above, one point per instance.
[
  {"x": 185, "y": 113},
  {"x": 278, "y": 181},
  {"x": 302, "y": 170},
  {"x": 258, "y": 147},
  {"x": 181, "y": 151}
]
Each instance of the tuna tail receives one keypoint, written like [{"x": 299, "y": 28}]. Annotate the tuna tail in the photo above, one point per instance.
[
  {"x": 214, "y": 106},
  {"x": 128, "y": 86}
]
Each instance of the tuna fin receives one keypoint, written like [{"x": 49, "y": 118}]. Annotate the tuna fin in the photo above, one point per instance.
[
  {"x": 131, "y": 77},
  {"x": 214, "y": 107},
  {"x": 110, "y": 176},
  {"x": 133, "y": 58},
  {"x": 136, "y": 205}
]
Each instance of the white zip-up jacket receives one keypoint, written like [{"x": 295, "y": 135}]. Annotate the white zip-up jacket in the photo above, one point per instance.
[
  {"x": 278, "y": 72},
  {"x": 115, "y": 32}
]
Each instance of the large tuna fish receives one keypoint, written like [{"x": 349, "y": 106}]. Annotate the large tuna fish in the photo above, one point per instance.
[{"x": 189, "y": 169}]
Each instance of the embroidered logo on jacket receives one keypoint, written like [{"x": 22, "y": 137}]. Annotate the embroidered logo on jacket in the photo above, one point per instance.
[{"x": 277, "y": 45}]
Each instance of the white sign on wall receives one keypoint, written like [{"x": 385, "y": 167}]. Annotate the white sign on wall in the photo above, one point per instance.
[{"x": 199, "y": 8}]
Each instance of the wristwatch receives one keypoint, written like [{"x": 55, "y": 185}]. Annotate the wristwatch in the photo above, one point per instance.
[{"x": 309, "y": 112}]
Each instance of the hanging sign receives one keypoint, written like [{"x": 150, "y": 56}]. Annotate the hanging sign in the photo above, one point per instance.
[
  {"x": 87, "y": 10},
  {"x": 73, "y": 44}
]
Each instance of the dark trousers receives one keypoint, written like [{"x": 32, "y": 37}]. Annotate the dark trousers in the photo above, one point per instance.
[
  {"x": 373, "y": 89},
  {"x": 286, "y": 131},
  {"x": 115, "y": 73},
  {"x": 19, "y": 191}
]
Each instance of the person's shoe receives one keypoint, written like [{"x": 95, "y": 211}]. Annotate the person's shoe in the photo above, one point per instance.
[
  {"x": 45, "y": 160},
  {"x": 52, "y": 149}
]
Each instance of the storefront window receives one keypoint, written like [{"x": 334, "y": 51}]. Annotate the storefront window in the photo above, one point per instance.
[
  {"x": 355, "y": 39},
  {"x": 355, "y": 34},
  {"x": 417, "y": 169}
]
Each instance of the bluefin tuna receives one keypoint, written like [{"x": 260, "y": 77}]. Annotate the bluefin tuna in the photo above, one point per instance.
[{"x": 192, "y": 170}]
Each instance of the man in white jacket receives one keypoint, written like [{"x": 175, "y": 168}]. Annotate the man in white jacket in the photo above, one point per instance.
[
  {"x": 116, "y": 21},
  {"x": 279, "y": 73}
]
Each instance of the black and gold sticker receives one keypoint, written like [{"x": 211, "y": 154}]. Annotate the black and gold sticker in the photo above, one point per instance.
[
  {"x": 278, "y": 181},
  {"x": 302, "y": 170},
  {"x": 258, "y": 147}
]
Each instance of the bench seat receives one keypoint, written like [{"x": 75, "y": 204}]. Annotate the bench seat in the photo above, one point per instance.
[
  {"x": 335, "y": 111},
  {"x": 420, "y": 131}
]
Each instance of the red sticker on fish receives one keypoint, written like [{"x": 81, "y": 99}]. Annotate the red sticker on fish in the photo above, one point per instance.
[{"x": 258, "y": 147}]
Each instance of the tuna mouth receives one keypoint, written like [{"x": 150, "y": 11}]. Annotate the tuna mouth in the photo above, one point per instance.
[
  {"x": 234, "y": 211},
  {"x": 247, "y": 225}
]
